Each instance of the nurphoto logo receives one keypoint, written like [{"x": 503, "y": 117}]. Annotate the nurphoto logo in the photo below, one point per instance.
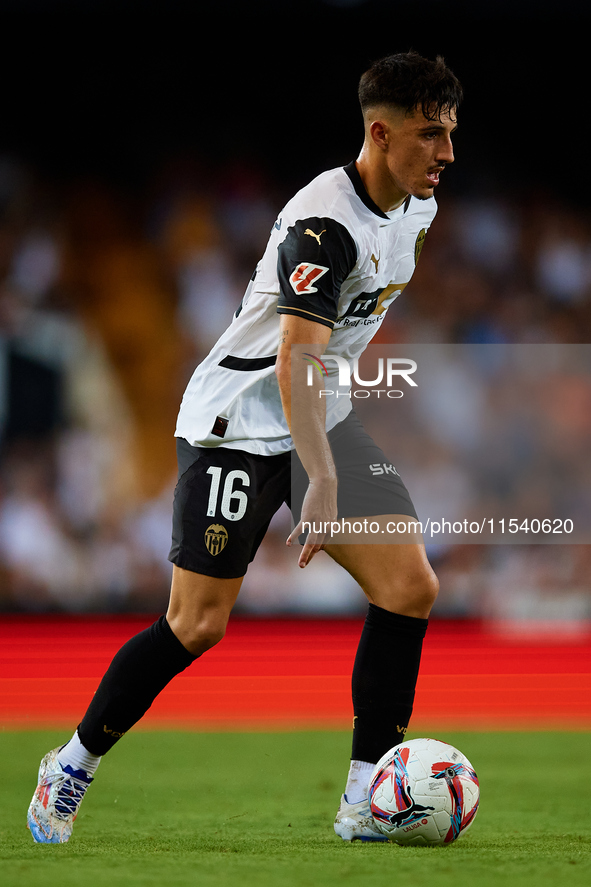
[{"x": 389, "y": 371}]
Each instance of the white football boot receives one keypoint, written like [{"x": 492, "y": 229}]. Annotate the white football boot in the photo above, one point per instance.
[
  {"x": 354, "y": 822},
  {"x": 56, "y": 800}
]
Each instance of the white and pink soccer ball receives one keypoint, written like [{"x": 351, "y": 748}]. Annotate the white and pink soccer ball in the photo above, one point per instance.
[{"x": 423, "y": 792}]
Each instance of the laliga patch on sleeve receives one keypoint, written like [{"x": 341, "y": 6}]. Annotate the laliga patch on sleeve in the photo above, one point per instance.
[{"x": 305, "y": 275}]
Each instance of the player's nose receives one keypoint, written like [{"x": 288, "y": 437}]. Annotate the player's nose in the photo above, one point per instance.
[{"x": 445, "y": 154}]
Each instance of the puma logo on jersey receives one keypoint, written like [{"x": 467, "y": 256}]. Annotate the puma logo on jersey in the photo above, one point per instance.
[
  {"x": 304, "y": 276},
  {"x": 316, "y": 236},
  {"x": 375, "y": 261}
]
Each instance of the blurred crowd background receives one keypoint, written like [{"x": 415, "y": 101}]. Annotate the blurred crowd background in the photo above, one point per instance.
[
  {"x": 110, "y": 295},
  {"x": 105, "y": 310}
]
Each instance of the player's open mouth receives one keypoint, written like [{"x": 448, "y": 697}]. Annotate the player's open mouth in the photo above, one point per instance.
[{"x": 433, "y": 176}]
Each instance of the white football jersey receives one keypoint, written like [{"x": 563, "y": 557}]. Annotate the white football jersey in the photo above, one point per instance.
[{"x": 334, "y": 257}]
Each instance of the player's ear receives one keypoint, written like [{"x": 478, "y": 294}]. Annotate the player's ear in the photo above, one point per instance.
[{"x": 379, "y": 133}]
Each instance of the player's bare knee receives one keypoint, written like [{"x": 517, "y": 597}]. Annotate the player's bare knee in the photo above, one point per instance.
[
  {"x": 423, "y": 587},
  {"x": 200, "y": 635},
  {"x": 428, "y": 589},
  {"x": 411, "y": 595},
  {"x": 206, "y": 634}
]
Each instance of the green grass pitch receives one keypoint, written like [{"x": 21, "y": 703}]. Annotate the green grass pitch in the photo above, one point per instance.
[{"x": 241, "y": 809}]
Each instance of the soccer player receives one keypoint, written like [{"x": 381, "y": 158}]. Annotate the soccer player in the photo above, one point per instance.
[{"x": 339, "y": 253}]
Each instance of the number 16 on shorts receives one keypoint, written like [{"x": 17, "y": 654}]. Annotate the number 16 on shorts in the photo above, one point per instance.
[{"x": 233, "y": 502}]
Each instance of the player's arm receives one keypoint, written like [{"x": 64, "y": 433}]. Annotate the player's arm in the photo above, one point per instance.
[
  {"x": 315, "y": 258},
  {"x": 295, "y": 335},
  {"x": 305, "y": 412}
]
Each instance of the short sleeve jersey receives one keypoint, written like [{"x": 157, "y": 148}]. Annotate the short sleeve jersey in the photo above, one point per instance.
[{"x": 333, "y": 257}]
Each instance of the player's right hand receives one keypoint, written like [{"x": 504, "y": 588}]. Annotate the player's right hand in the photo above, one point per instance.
[{"x": 319, "y": 510}]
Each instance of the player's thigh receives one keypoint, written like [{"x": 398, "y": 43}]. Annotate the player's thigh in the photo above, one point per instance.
[
  {"x": 199, "y": 608},
  {"x": 396, "y": 576},
  {"x": 381, "y": 546},
  {"x": 223, "y": 503}
]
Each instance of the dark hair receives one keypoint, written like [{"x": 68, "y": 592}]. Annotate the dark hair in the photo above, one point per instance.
[{"x": 409, "y": 81}]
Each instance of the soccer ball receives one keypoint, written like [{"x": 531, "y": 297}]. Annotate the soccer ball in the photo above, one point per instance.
[{"x": 423, "y": 792}]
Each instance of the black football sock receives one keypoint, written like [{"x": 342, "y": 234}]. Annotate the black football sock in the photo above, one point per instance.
[
  {"x": 139, "y": 671},
  {"x": 384, "y": 679}
]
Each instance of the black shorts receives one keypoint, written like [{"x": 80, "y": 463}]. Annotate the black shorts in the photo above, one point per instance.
[{"x": 225, "y": 498}]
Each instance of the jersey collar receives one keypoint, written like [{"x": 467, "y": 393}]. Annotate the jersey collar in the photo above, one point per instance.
[{"x": 353, "y": 173}]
